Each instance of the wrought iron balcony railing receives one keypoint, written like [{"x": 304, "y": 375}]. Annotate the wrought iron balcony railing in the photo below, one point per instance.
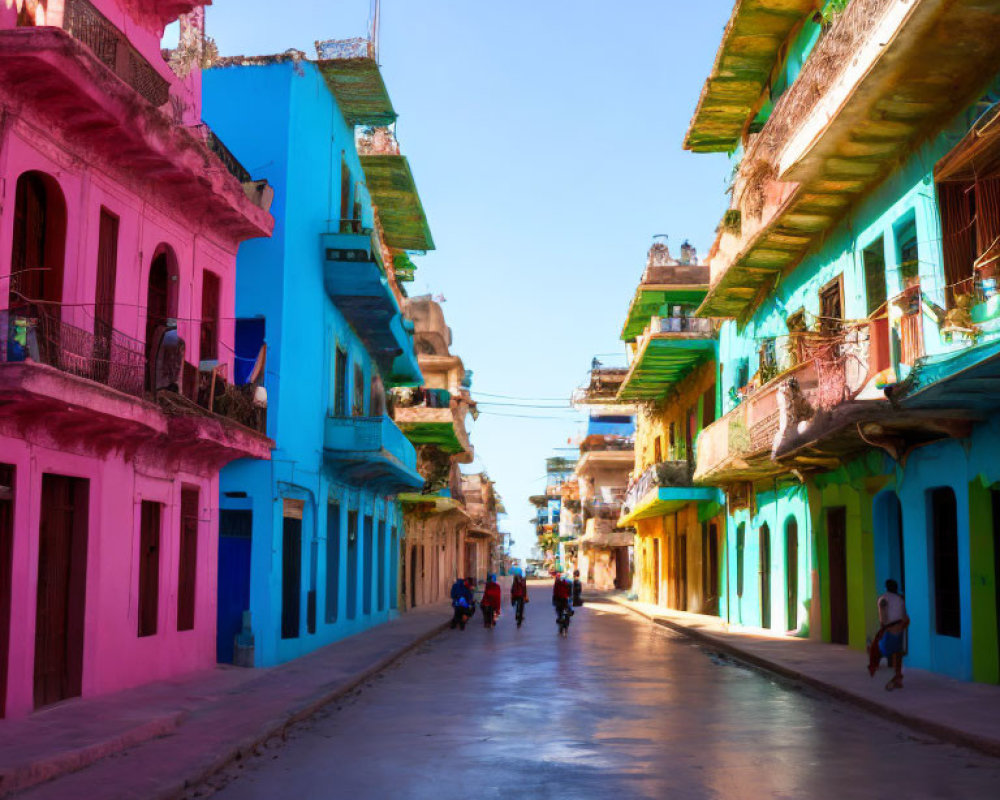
[{"x": 85, "y": 23}]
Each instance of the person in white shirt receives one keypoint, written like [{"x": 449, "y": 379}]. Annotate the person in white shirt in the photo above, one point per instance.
[{"x": 894, "y": 621}]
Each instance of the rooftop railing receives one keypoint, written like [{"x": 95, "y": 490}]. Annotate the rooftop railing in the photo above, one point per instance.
[{"x": 377, "y": 142}]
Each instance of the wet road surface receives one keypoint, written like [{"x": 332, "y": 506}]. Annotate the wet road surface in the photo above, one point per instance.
[{"x": 620, "y": 709}]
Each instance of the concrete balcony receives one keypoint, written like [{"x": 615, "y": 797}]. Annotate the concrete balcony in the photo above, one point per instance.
[
  {"x": 436, "y": 426},
  {"x": 662, "y": 489},
  {"x": 372, "y": 452},
  {"x": 88, "y": 392},
  {"x": 667, "y": 351},
  {"x": 91, "y": 105},
  {"x": 356, "y": 284},
  {"x": 351, "y": 70},
  {"x": 866, "y": 97}
]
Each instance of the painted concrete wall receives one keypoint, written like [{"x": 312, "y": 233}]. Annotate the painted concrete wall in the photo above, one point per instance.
[{"x": 297, "y": 137}]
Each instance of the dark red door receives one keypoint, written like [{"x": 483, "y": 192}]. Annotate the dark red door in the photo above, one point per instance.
[
  {"x": 6, "y": 557},
  {"x": 62, "y": 585},
  {"x": 836, "y": 532},
  {"x": 149, "y": 567}
]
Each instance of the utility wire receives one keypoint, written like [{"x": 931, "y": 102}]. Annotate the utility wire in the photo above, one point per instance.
[
  {"x": 512, "y": 397},
  {"x": 524, "y": 405}
]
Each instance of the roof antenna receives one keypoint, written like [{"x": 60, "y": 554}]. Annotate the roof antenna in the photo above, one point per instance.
[{"x": 375, "y": 20}]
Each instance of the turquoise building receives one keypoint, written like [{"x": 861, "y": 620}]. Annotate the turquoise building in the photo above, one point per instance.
[
  {"x": 856, "y": 272},
  {"x": 309, "y": 545}
]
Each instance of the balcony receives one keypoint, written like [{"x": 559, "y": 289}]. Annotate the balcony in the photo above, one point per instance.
[
  {"x": 602, "y": 390},
  {"x": 828, "y": 407},
  {"x": 751, "y": 45},
  {"x": 665, "y": 283},
  {"x": 394, "y": 192},
  {"x": 866, "y": 97},
  {"x": 350, "y": 68},
  {"x": 89, "y": 105},
  {"x": 425, "y": 425},
  {"x": 662, "y": 489},
  {"x": 604, "y": 532},
  {"x": 371, "y": 452},
  {"x": 667, "y": 351},
  {"x": 91, "y": 388},
  {"x": 425, "y": 505},
  {"x": 357, "y": 286}
]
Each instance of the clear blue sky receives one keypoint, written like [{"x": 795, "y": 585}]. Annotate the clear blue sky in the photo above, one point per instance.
[{"x": 545, "y": 137}]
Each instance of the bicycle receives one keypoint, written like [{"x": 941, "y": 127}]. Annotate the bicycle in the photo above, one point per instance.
[{"x": 562, "y": 620}]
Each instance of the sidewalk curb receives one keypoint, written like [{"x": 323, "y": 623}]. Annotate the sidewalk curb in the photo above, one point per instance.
[
  {"x": 278, "y": 725},
  {"x": 990, "y": 747}
]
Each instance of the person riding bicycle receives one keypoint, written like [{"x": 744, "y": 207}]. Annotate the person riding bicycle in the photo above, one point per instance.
[
  {"x": 491, "y": 601},
  {"x": 562, "y": 591},
  {"x": 518, "y": 595}
]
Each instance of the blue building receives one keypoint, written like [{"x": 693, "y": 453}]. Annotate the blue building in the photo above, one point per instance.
[{"x": 309, "y": 545}]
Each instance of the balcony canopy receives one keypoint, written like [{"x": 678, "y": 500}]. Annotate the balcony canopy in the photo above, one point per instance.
[
  {"x": 430, "y": 503},
  {"x": 664, "y": 359},
  {"x": 356, "y": 284},
  {"x": 751, "y": 44},
  {"x": 662, "y": 500},
  {"x": 353, "y": 75},
  {"x": 371, "y": 452},
  {"x": 394, "y": 192},
  {"x": 652, "y": 300}
]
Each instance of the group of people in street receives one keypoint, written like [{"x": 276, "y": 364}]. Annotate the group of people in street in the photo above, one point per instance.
[{"x": 466, "y": 596}]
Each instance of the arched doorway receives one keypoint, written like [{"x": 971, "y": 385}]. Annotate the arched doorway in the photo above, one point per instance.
[
  {"x": 39, "y": 242},
  {"x": 765, "y": 576},
  {"x": 161, "y": 304},
  {"x": 791, "y": 574}
]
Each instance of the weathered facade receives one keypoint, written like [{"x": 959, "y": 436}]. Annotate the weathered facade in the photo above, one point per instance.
[
  {"x": 433, "y": 417},
  {"x": 120, "y": 395},
  {"x": 671, "y": 379},
  {"x": 857, "y": 267}
]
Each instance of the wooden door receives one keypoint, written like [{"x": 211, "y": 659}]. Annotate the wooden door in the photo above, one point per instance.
[
  {"x": 187, "y": 569},
  {"x": 104, "y": 295},
  {"x": 764, "y": 553},
  {"x": 149, "y": 567},
  {"x": 6, "y": 571},
  {"x": 836, "y": 533},
  {"x": 792, "y": 575},
  {"x": 62, "y": 588},
  {"x": 157, "y": 312},
  {"x": 291, "y": 576},
  {"x": 656, "y": 571},
  {"x": 413, "y": 575},
  {"x": 369, "y": 533},
  {"x": 235, "y": 550},
  {"x": 332, "y": 561},
  {"x": 682, "y": 572},
  {"x": 380, "y": 555},
  {"x": 352, "y": 564}
]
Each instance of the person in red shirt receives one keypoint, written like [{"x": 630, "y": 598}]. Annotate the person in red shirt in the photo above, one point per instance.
[
  {"x": 491, "y": 601},
  {"x": 518, "y": 596},
  {"x": 562, "y": 590}
]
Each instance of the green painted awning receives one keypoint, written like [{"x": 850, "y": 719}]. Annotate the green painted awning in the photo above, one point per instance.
[
  {"x": 751, "y": 44},
  {"x": 394, "y": 191},
  {"x": 360, "y": 91},
  {"x": 441, "y": 434},
  {"x": 650, "y": 298},
  {"x": 662, "y": 500},
  {"x": 663, "y": 360}
]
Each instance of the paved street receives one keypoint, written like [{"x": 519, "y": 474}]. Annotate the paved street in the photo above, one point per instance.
[{"x": 620, "y": 709}]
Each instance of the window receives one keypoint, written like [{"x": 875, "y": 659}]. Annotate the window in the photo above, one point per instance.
[
  {"x": 369, "y": 564},
  {"x": 907, "y": 252},
  {"x": 249, "y": 341},
  {"x": 358, "y": 399},
  {"x": 657, "y": 451},
  {"x": 873, "y": 257},
  {"x": 947, "y": 592},
  {"x": 741, "y": 535},
  {"x": 149, "y": 566},
  {"x": 188, "y": 560},
  {"x": 107, "y": 266},
  {"x": 672, "y": 440},
  {"x": 340, "y": 385},
  {"x": 208, "y": 349},
  {"x": 380, "y": 554},
  {"x": 708, "y": 407},
  {"x": 831, "y": 306},
  {"x": 377, "y": 395},
  {"x": 332, "y": 560},
  {"x": 352, "y": 564},
  {"x": 36, "y": 266},
  {"x": 345, "y": 197}
]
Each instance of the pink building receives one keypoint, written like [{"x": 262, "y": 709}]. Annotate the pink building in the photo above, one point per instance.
[{"x": 119, "y": 213}]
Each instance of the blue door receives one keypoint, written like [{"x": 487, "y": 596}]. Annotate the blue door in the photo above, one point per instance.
[{"x": 235, "y": 529}]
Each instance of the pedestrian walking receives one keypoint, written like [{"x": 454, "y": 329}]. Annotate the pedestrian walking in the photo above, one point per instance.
[
  {"x": 577, "y": 589},
  {"x": 518, "y": 596},
  {"x": 888, "y": 641},
  {"x": 461, "y": 603},
  {"x": 491, "y": 601}
]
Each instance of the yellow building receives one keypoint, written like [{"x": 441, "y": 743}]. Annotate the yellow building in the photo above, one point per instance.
[{"x": 671, "y": 379}]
